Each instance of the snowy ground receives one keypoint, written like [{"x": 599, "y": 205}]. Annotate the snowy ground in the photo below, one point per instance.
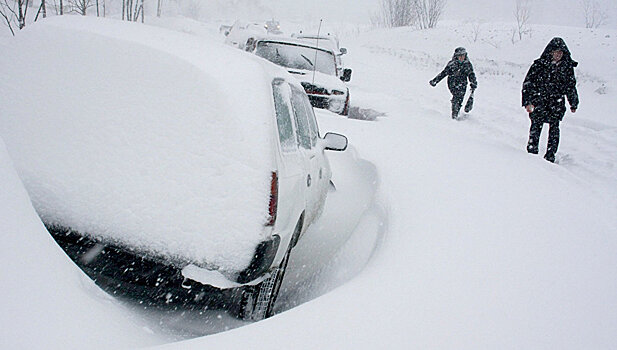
[
  {"x": 442, "y": 233},
  {"x": 485, "y": 246}
]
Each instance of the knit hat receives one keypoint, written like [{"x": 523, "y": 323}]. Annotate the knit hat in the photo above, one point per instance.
[{"x": 460, "y": 51}]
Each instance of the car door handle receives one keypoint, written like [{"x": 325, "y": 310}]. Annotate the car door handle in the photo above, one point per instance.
[{"x": 308, "y": 180}]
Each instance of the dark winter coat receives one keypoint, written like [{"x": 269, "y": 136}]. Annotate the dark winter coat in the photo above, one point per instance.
[
  {"x": 458, "y": 73},
  {"x": 547, "y": 83}
]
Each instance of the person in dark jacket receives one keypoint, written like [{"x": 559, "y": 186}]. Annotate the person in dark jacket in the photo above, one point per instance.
[
  {"x": 458, "y": 70},
  {"x": 550, "y": 78}
]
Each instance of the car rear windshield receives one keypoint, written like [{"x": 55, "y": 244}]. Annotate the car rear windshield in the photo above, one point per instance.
[{"x": 297, "y": 56}]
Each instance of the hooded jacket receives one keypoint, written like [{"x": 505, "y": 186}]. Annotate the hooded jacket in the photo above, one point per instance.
[
  {"x": 547, "y": 83},
  {"x": 458, "y": 72}
]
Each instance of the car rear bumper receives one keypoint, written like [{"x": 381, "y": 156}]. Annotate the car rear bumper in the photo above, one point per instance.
[{"x": 148, "y": 281}]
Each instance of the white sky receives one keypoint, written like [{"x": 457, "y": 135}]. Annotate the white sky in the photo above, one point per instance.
[{"x": 566, "y": 12}]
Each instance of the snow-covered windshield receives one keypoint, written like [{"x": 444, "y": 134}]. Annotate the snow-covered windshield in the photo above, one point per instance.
[{"x": 297, "y": 56}]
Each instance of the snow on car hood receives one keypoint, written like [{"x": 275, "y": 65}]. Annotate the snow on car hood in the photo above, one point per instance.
[
  {"x": 330, "y": 82},
  {"x": 135, "y": 134}
]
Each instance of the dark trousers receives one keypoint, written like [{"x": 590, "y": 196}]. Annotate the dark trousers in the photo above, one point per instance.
[
  {"x": 457, "y": 102},
  {"x": 553, "y": 138}
]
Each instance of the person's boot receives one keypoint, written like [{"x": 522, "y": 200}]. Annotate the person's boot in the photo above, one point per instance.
[
  {"x": 532, "y": 149},
  {"x": 550, "y": 157}
]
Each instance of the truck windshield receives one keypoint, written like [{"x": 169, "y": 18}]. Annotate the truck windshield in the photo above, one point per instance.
[{"x": 297, "y": 57}]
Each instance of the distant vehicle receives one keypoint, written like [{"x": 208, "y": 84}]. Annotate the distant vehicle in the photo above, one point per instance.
[
  {"x": 239, "y": 33},
  {"x": 147, "y": 202},
  {"x": 242, "y": 34},
  {"x": 328, "y": 41},
  {"x": 273, "y": 27},
  {"x": 316, "y": 67}
]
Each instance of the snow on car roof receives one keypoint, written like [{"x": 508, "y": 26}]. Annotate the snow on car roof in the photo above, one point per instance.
[
  {"x": 327, "y": 41},
  {"x": 155, "y": 139}
]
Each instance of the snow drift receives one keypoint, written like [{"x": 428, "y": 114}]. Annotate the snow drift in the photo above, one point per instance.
[{"x": 47, "y": 302}]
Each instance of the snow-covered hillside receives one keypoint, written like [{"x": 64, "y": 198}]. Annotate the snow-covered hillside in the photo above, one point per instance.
[{"x": 465, "y": 240}]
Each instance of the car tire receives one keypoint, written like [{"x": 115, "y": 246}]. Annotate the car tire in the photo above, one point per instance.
[{"x": 257, "y": 301}]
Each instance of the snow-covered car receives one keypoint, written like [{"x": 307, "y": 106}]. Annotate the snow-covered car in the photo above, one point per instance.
[
  {"x": 273, "y": 27},
  {"x": 242, "y": 34},
  {"x": 316, "y": 67},
  {"x": 329, "y": 41},
  {"x": 164, "y": 174}
]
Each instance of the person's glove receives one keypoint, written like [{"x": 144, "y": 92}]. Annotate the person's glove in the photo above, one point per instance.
[
  {"x": 432, "y": 82},
  {"x": 473, "y": 86},
  {"x": 573, "y": 109}
]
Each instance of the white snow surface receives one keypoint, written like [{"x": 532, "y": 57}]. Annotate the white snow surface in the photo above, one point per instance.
[
  {"x": 46, "y": 301},
  {"x": 480, "y": 246},
  {"x": 157, "y": 139}
]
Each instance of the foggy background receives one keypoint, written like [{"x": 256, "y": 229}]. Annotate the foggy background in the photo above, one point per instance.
[{"x": 556, "y": 12}]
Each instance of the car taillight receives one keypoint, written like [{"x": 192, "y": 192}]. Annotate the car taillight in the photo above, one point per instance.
[{"x": 274, "y": 198}]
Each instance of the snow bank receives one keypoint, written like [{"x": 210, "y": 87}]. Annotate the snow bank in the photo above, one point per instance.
[
  {"x": 154, "y": 138},
  {"x": 47, "y": 302}
]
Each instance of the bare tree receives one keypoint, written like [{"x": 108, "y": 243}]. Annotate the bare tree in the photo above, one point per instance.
[
  {"x": 394, "y": 13},
  {"x": 7, "y": 13},
  {"x": 427, "y": 13},
  {"x": 159, "y": 8},
  {"x": 595, "y": 15},
  {"x": 420, "y": 13},
  {"x": 14, "y": 12},
  {"x": 522, "y": 12},
  {"x": 476, "y": 29},
  {"x": 80, "y": 6},
  {"x": 133, "y": 10},
  {"x": 42, "y": 9}
]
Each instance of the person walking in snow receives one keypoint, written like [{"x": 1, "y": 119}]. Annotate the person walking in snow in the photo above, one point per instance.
[
  {"x": 549, "y": 79},
  {"x": 458, "y": 70}
]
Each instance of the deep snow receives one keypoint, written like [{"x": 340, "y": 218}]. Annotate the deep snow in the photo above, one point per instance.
[
  {"x": 47, "y": 302},
  {"x": 471, "y": 242}
]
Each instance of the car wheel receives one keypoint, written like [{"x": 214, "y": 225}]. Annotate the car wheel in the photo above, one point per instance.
[{"x": 258, "y": 301}]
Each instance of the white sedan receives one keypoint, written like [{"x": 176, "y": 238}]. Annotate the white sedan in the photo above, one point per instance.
[{"x": 164, "y": 174}]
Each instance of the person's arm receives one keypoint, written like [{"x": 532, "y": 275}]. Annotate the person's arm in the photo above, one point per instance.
[
  {"x": 473, "y": 83},
  {"x": 440, "y": 76},
  {"x": 571, "y": 91},
  {"x": 529, "y": 88}
]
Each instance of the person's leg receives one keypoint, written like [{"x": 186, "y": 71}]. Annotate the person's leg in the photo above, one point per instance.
[
  {"x": 553, "y": 141},
  {"x": 457, "y": 102},
  {"x": 534, "y": 136}
]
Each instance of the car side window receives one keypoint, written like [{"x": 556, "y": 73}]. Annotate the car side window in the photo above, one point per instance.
[
  {"x": 312, "y": 121},
  {"x": 283, "y": 115},
  {"x": 306, "y": 136}
]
